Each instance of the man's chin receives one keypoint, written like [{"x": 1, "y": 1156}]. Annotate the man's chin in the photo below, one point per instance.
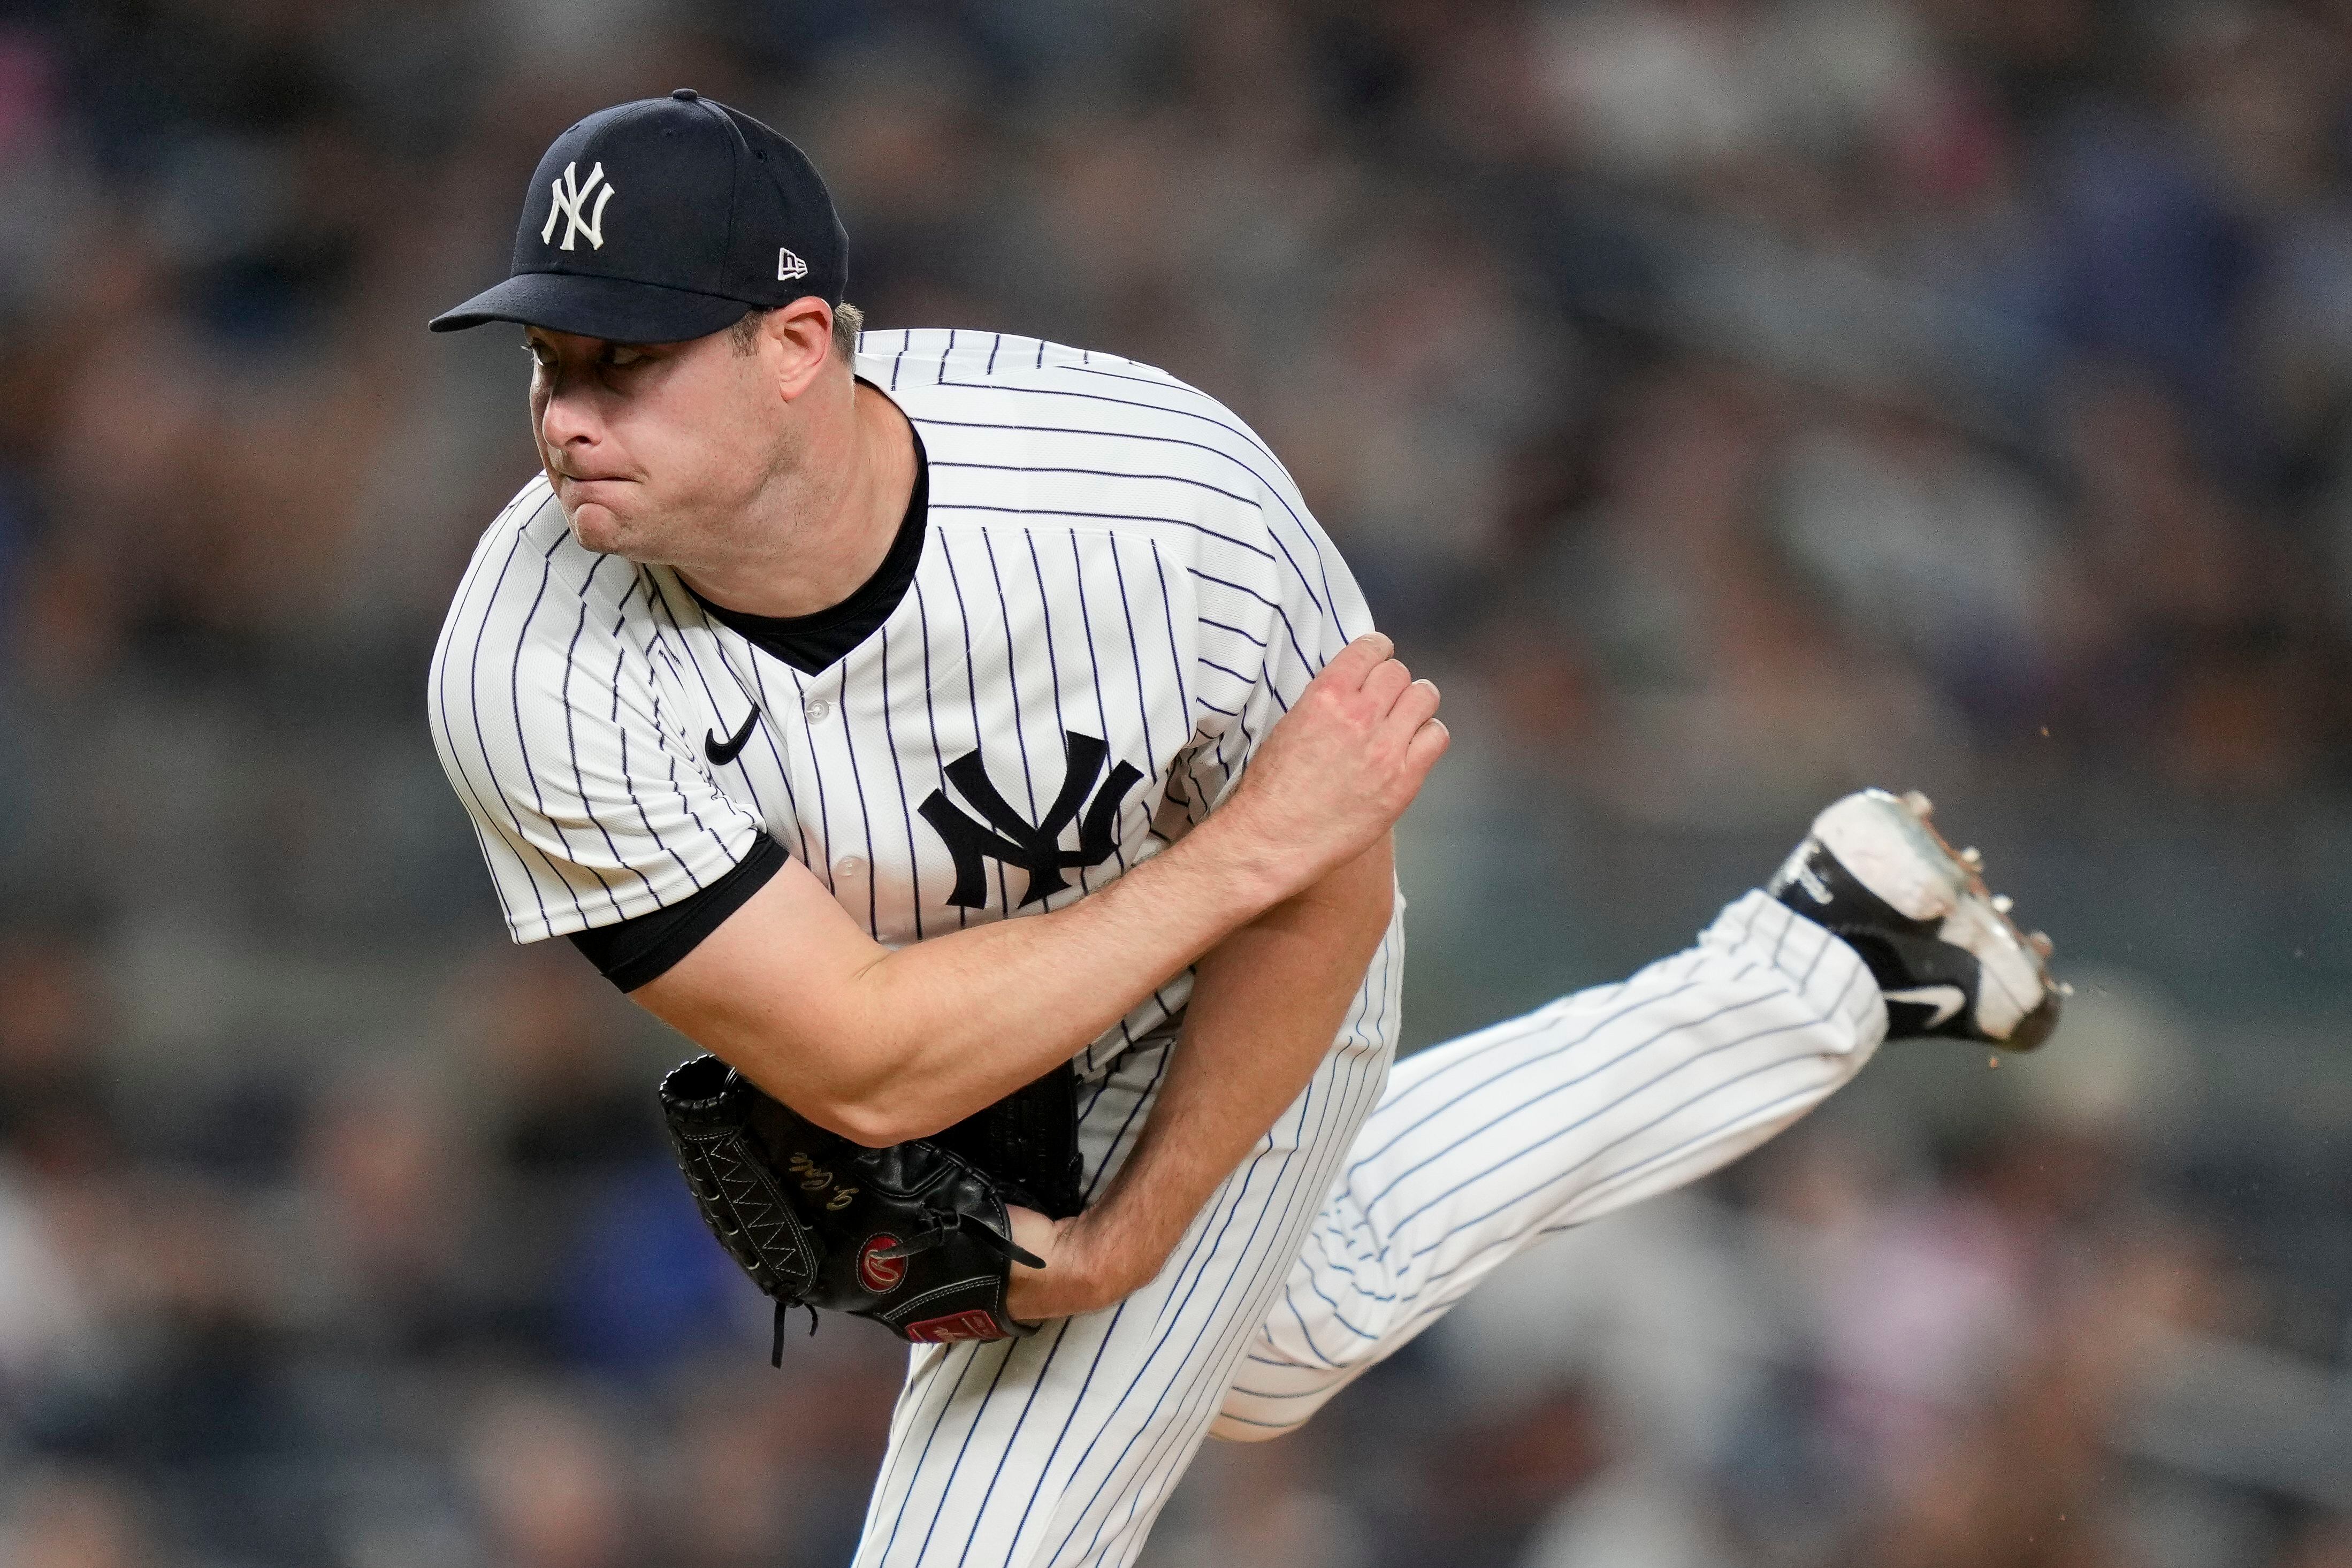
[{"x": 598, "y": 528}]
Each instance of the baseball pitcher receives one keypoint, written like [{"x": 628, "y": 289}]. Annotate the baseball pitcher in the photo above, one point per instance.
[{"x": 975, "y": 748}]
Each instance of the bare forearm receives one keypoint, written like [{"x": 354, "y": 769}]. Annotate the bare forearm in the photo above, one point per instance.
[
  {"x": 1266, "y": 1006},
  {"x": 916, "y": 1040},
  {"x": 965, "y": 1020}
]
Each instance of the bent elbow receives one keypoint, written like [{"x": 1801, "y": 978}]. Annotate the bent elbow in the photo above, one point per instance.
[
  {"x": 857, "y": 1088},
  {"x": 864, "y": 1122},
  {"x": 875, "y": 1131}
]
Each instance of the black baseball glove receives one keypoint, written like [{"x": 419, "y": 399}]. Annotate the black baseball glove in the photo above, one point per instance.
[{"x": 914, "y": 1236}]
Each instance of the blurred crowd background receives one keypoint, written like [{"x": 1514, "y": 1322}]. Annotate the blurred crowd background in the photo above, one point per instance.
[{"x": 1733, "y": 402}]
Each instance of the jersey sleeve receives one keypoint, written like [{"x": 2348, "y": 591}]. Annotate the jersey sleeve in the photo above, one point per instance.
[
  {"x": 1275, "y": 602},
  {"x": 590, "y": 806}
]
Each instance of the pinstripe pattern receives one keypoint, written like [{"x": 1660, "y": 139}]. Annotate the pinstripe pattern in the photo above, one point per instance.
[
  {"x": 1486, "y": 1145},
  {"x": 1108, "y": 551},
  {"x": 1353, "y": 1226},
  {"x": 1111, "y": 553},
  {"x": 578, "y": 831},
  {"x": 1086, "y": 1427}
]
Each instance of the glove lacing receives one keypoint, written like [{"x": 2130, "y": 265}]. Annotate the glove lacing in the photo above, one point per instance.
[
  {"x": 946, "y": 1219},
  {"x": 783, "y": 1309}
]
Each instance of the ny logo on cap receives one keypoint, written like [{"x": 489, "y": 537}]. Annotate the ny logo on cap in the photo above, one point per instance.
[{"x": 570, "y": 192}]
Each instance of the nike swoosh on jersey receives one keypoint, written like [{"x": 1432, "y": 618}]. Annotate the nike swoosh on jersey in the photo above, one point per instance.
[
  {"x": 722, "y": 754},
  {"x": 1948, "y": 1001}
]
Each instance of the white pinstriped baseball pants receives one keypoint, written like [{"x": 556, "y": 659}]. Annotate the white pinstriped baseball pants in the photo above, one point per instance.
[{"x": 1360, "y": 1220}]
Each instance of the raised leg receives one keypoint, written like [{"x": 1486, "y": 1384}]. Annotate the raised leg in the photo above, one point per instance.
[{"x": 1482, "y": 1145}]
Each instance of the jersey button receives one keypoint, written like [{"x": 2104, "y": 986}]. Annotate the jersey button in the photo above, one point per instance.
[
  {"x": 849, "y": 865},
  {"x": 818, "y": 710}
]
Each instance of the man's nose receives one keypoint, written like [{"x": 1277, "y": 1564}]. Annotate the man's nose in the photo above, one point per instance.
[{"x": 568, "y": 419}]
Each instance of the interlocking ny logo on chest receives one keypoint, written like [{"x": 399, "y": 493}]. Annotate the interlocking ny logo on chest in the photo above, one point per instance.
[{"x": 1003, "y": 834}]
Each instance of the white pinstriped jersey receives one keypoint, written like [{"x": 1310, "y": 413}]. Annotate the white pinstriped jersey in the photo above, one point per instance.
[{"x": 1120, "y": 592}]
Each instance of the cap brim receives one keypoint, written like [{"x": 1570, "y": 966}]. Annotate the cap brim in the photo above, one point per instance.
[{"x": 615, "y": 309}]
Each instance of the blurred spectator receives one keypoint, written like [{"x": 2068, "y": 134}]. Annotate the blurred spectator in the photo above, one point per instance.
[
  {"x": 55, "y": 1094},
  {"x": 1733, "y": 697},
  {"x": 551, "y": 1482},
  {"x": 561, "y": 1089},
  {"x": 70, "y": 1519},
  {"x": 392, "y": 1228}
]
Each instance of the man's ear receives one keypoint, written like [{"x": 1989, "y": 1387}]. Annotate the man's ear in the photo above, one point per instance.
[{"x": 800, "y": 338}]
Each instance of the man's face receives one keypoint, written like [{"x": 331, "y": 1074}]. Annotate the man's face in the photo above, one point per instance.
[{"x": 655, "y": 450}]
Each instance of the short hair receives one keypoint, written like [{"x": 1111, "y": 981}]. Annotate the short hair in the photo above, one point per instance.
[{"x": 848, "y": 321}]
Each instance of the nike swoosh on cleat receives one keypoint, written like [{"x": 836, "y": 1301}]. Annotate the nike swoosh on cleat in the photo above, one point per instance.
[
  {"x": 1948, "y": 1001},
  {"x": 722, "y": 754}
]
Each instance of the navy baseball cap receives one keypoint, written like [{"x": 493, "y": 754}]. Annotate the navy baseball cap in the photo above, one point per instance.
[{"x": 666, "y": 219}]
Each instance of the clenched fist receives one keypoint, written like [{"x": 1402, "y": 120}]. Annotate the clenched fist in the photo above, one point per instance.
[{"x": 1343, "y": 764}]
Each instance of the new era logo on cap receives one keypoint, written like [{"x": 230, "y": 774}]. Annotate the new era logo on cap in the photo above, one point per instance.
[{"x": 711, "y": 192}]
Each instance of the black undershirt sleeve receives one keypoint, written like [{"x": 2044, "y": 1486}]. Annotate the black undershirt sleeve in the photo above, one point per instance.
[{"x": 636, "y": 952}]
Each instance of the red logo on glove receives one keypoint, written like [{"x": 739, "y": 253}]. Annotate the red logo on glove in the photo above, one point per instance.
[
  {"x": 972, "y": 1324},
  {"x": 881, "y": 1275}
]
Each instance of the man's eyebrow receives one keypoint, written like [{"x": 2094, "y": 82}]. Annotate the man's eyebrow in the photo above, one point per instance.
[{"x": 541, "y": 335}]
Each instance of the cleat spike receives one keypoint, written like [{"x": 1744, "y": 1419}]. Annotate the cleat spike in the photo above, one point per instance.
[
  {"x": 1941, "y": 946},
  {"x": 2002, "y": 902}
]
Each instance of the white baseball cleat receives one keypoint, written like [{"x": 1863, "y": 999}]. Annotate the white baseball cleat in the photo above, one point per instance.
[{"x": 1947, "y": 957}]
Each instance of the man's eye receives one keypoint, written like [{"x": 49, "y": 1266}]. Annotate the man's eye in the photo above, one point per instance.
[
  {"x": 539, "y": 356},
  {"x": 622, "y": 358}
]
